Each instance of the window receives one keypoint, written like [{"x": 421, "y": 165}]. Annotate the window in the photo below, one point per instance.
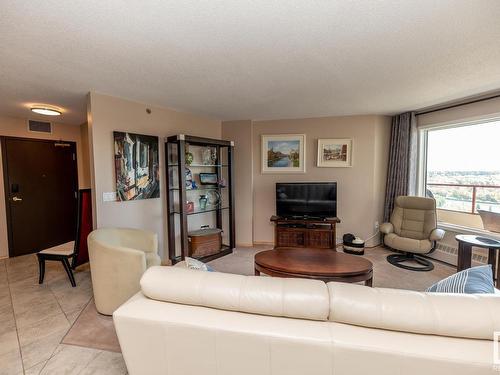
[{"x": 462, "y": 166}]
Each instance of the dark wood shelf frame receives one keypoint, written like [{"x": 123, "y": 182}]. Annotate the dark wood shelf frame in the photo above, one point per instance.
[{"x": 180, "y": 143}]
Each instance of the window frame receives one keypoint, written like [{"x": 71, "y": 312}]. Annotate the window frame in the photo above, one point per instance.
[{"x": 422, "y": 147}]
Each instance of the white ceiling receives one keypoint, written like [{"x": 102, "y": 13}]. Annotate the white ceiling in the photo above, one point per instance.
[{"x": 257, "y": 59}]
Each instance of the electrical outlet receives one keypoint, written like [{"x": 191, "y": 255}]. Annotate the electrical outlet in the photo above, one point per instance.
[
  {"x": 109, "y": 196},
  {"x": 377, "y": 226}
]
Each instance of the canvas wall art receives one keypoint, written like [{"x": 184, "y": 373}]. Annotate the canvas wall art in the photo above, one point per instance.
[
  {"x": 334, "y": 152},
  {"x": 136, "y": 165},
  {"x": 283, "y": 153}
]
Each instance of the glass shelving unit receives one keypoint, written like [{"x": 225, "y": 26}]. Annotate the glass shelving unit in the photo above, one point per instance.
[{"x": 184, "y": 210}]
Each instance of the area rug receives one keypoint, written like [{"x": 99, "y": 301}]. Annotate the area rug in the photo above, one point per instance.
[{"x": 93, "y": 330}]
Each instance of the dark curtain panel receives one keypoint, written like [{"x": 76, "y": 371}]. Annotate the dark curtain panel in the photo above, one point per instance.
[{"x": 402, "y": 170}]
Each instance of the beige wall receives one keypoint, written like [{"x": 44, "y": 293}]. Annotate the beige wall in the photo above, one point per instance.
[
  {"x": 360, "y": 188},
  {"x": 107, "y": 114},
  {"x": 241, "y": 133},
  {"x": 16, "y": 127}
]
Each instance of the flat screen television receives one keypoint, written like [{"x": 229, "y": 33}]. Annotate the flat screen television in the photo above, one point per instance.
[{"x": 306, "y": 199}]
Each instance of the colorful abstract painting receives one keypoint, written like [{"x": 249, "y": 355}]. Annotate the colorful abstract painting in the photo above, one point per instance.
[{"x": 136, "y": 165}]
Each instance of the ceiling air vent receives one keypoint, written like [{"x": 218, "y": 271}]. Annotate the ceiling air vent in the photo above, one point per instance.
[{"x": 39, "y": 126}]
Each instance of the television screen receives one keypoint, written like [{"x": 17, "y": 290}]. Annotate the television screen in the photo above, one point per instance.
[{"x": 306, "y": 199}]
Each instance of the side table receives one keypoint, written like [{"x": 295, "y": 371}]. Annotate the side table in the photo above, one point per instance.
[{"x": 465, "y": 244}]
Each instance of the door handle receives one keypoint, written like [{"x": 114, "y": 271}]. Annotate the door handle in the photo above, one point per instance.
[{"x": 16, "y": 199}]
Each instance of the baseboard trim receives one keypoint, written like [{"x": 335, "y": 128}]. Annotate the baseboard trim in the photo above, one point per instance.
[
  {"x": 263, "y": 243},
  {"x": 244, "y": 245}
]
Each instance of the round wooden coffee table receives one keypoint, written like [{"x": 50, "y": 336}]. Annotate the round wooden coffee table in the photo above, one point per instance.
[{"x": 319, "y": 264}]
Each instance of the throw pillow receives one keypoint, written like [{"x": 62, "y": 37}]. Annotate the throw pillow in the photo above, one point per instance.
[
  {"x": 195, "y": 264},
  {"x": 471, "y": 281}
]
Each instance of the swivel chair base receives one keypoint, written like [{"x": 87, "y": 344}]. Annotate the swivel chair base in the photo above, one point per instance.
[{"x": 398, "y": 259}]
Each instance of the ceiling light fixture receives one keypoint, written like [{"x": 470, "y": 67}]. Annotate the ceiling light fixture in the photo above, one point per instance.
[{"x": 46, "y": 111}]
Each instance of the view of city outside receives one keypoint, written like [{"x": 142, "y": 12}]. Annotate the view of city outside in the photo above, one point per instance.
[{"x": 463, "y": 167}]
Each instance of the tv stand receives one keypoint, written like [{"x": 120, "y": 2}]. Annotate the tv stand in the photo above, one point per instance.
[{"x": 304, "y": 232}]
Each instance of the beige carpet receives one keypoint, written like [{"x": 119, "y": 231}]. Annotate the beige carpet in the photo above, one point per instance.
[{"x": 93, "y": 330}]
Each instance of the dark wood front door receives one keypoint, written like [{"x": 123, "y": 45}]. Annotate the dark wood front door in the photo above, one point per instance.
[{"x": 41, "y": 184}]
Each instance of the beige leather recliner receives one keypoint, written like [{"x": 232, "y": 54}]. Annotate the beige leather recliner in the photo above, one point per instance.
[
  {"x": 118, "y": 258},
  {"x": 413, "y": 230}
]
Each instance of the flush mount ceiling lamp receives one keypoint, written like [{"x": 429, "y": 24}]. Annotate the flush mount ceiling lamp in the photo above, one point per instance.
[{"x": 46, "y": 111}]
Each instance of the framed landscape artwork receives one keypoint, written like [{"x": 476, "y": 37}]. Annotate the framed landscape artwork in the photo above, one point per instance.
[
  {"x": 136, "y": 166},
  {"x": 334, "y": 152},
  {"x": 284, "y": 153}
]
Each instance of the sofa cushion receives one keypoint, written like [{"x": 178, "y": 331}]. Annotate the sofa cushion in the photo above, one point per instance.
[
  {"x": 472, "y": 280},
  {"x": 457, "y": 315},
  {"x": 293, "y": 298}
]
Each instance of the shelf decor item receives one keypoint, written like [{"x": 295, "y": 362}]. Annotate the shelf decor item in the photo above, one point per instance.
[
  {"x": 136, "y": 166},
  {"x": 284, "y": 153},
  {"x": 213, "y": 197},
  {"x": 208, "y": 178},
  {"x": 213, "y": 155},
  {"x": 204, "y": 193},
  {"x": 189, "y": 179},
  {"x": 334, "y": 153},
  {"x": 189, "y": 158},
  {"x": 204, "y": 242},
  {"x": 203, "y": 202},
  {"x": 189, "y": 206},
  {"x": 206, "y": 156}
]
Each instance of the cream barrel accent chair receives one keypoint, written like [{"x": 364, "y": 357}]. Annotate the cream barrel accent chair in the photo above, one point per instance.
[
  {"x": 413, "y": 230},
  {"x": 118, "y": 258}
]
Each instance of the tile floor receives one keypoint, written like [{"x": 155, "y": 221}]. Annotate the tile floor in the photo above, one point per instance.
[{"x": 35, "y": 318}]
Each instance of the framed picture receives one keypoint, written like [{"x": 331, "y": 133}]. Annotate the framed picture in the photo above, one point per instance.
[
  {"x": 208, "y": 178},
  {"x": 284, "y": 153},
  {"x": 334, "y": 152},
  {"x": 136, "y": 166}
]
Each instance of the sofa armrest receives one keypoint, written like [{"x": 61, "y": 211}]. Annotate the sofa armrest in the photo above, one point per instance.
[
  {"x": 387, "y": 228},
  {"x": 437, "y": 234}
]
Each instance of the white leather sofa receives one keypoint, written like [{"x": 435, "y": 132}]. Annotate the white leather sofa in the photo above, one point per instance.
[
  {"x": 118, "y": 258},
  {"x": 194, "y": 322}
]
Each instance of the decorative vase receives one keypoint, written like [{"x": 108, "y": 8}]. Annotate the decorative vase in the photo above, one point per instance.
[
  {"x": 189, "y": 158},
  {"x": 213, "y": 155},
  {"x": 203, "y": 202},
  {"x": 206, "y": 156},
  {"x": 189, "y": 179}
]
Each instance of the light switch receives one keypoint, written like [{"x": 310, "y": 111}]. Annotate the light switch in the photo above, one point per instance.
[{"x": 109, "y": 196}]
